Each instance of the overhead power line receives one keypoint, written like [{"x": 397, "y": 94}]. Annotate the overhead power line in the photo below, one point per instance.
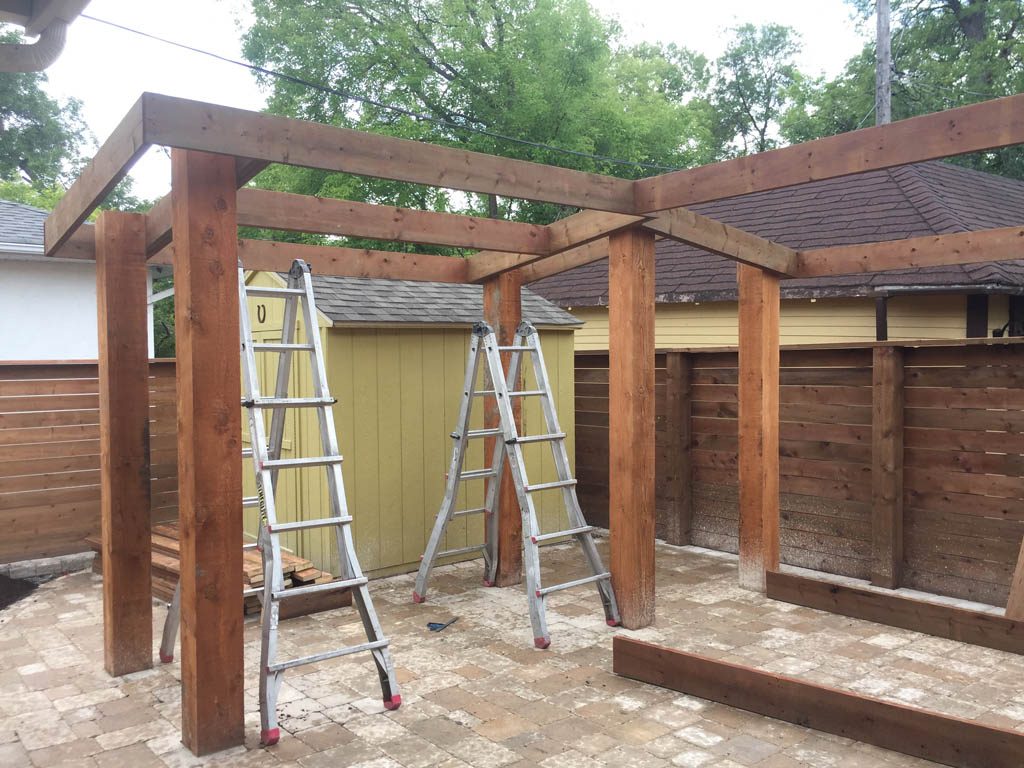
[{"x": 381, "y": 105}]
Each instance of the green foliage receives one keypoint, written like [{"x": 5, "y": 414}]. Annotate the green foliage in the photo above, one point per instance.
[{"x": 163, "y": 319}]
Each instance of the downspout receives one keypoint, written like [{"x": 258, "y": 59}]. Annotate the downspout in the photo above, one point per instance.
[{"x": 37, "y": 56}]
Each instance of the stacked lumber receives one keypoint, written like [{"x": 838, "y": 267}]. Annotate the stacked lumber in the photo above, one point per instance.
[{"x": 298, "y": 572}]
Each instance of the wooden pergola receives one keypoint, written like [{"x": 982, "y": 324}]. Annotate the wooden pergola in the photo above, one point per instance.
[{"x": 216, "y": 150}]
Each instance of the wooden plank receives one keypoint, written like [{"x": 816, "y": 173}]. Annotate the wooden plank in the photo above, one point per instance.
[
  {"x": 209, "y": 444},
  {"x": 273, "y": 256},
  {"x": 1015, "y": 602},
  {"x": 575, "y": 257},
  {"x": 111, "y": 163},
  {"x": 758, "y": 424},
  {"x": 692, "y": 228},
  {"x": 916, "y": 252},
  {"x": 328, "y": 216},
  {"x": 186, "y": 124},
  {"x": 938, "y": 619},
  {"x": 974, "y": 128},
  {"x": 503, "y": 311},
  {"x": 887, "y": 466},
  {"x": 124, "y": 442},
  {"x": 631, "y": 475},
  {"x": 679, "y": 458},
  {"x": 929, "y": 735}
]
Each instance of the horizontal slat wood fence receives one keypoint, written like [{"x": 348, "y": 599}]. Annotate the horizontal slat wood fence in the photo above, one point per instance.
[
  {"x": 961, "y": 467},
  {"x": 49, "y": 455}
]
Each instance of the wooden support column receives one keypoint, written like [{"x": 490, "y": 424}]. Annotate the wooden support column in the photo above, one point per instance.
[
  {"x": 758, "y": 425},
  {"x": 1015, "y": 603},
  {"x": 887, "y": 466},
  {"x": 124, "y": 441},
  {"x": 209, "y": 448},
  {"x": 678, "y": 458},
  {"x": 503, "y": 311},
  {"x": 631, "y": 473}
]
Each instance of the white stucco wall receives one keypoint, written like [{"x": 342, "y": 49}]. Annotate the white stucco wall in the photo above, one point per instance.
[{"x": 47, "y": 310}]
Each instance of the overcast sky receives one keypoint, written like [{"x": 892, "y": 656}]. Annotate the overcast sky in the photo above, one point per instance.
[{"x": 107, "y": 68}]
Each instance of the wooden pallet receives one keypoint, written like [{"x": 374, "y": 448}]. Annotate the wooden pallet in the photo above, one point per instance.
[{"x": 298, "y": 572}]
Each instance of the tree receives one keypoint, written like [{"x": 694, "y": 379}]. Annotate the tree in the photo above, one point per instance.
[{"x": 756, "y": 80}]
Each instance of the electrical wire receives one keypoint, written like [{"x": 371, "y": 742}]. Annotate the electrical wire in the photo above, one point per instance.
[{"x": 381, "y": 105}]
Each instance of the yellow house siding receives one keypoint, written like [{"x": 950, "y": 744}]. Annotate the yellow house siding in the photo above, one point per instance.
[{"x": 927, "y": 317}]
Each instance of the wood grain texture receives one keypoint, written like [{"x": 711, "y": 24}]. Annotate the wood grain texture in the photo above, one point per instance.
[
  {"x": 678, "y": 456},
  {"x": 631, "y": 474},
  {"x": 986, "y": 125},
  {"x": 960, "y": 624},
  {"x": 758, "y": 424},
  {"x": 911, "y": 731},
  {"x": 209, "y": 448},
  {"x": 503, "y": 311},
  {"x": 124, "y": 443},
  {"x": 887, "y": 466},
  {"x": 574, "y": 257}
]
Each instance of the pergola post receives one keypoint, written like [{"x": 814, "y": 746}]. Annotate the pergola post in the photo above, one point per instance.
[
  {"x": 209, "y": 448},
  {"x": 758, "y": 424},
  {"x": 631, "y": 423},
  {"x": 503, "y": 311},
  {"x": 124, "y": 441}
]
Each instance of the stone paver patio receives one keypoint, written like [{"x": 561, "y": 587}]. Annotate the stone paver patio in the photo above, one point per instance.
[{"x": 478, "y": 694}]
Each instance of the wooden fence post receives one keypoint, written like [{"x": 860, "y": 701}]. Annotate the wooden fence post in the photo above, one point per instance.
[
  {"x": 124, "y": 442},
  {"x": 678, "y": 458},
  {"x": 631, "y": 504},
  {"x": 887, "y": 466},
  {"x": 209, "y": 449},
  {"x": 758, "y": 425}
]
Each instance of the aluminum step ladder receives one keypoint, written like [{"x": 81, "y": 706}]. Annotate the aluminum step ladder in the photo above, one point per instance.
[
  {"x": 508, "y": 445},
  {"x": 267, "y": 463}
]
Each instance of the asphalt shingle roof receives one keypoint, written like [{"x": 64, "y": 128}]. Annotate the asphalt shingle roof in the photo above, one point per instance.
[
  {"x": 21, "y": 224},
  {"x": 370, "y": 300},
  {"x": 909, "y": 201}
]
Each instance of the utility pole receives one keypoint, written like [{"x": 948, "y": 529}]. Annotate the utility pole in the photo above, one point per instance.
[{"x": 883, "y": 66}]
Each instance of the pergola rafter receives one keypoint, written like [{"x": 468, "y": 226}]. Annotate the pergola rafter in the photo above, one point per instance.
[{"x": 216, "y": 150}]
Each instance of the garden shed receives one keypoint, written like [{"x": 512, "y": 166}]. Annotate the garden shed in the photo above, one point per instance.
[{"x": 396, "y": 359}]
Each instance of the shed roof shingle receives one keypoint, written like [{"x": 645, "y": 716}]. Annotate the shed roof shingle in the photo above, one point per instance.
[{"x": 21, "y": 224}]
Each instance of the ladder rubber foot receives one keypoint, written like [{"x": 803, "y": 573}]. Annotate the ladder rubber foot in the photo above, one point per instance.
[
  {"x": 542, "y": 642},
  {"x": 393, "y": 703},
  {"x": 613, "y": 622},
  {"x": 418, "y": 598},
  {"x": 166, "y": 659},
  {"x": 270, "y": 737},
  {"x": 488, "y": 583}
]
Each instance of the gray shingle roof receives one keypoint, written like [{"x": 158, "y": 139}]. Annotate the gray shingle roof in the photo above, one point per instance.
[
  {"x": 21, "y": 224},
  {"x": 910, "y": 201},
  {"x": 369, "y": 300}
]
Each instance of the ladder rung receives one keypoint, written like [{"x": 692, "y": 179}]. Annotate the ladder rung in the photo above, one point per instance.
[
  {"x": 483, "y": 392},
  {"x": 461, "y": 551},
  {"x": 247, "y": 453},
  {"x": 330, "y": 586},
  {"x": 250, "y": 501},
  {"x": 268, "y": 347},
  {"x": 250, "y": 545},
  {"x": 252, "y": 591},
  {"x": 546, "y": 486},
  {"x": 514, "y": 348},
  {"x": 476, "y": 474},
  {"x": 273, "y": 292},
  {"x": 479, "y": 433},
  {"x": 464, "y": 512},
  {"x": 300, "y": 525},
  {"x": 527, "y": 393},
  {"x": 289, "y": 402},
  {"x": 314, "y": 461},
  {"x": 539, "y": 438},
  {"x": 576, "y": 583},
  {"x": 283, "y": 665},
  {"x": 556, "y": 534}
]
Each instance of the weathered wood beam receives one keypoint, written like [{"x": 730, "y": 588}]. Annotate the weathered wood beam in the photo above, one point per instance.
[
  {"x": 974, "y": 128},
  {"x": 124, "y": 442},
  {"x": 631, "y": 473},
  {"x": 918, "y": 732},
  {"x": 758, "y": 425},
  {"x": 111, "y": 163},
  {"x": 186, "y": 124},
  {"x": 678, "y": 470},
  {"x": 209, "y": 447},
  {"x": 503, "y": 309},
  {"x": 553, "y": 265},
  {"x": 938, "y": 619},
  {"x": 692, "y": 228},
  {"x": 1000, "y": 244},
  {"x": 887, "y": 466},
  {"x": 327, "y": 216},
  {"x": 564, "y": 235}
]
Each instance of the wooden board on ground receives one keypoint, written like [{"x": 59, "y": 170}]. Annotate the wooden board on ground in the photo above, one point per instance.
[
  {"x": 918, "y": 732},
  {"x": 948, "y": 621}
]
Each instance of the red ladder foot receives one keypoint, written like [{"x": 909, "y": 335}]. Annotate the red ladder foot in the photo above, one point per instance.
[
  {"x": 542, "y": 642},
  {"x": 270, "y": 737},
  {"x": 166, "y": 659},
  {"x": 418, "y": 598},
  {"x": 393, "y": 703}
]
